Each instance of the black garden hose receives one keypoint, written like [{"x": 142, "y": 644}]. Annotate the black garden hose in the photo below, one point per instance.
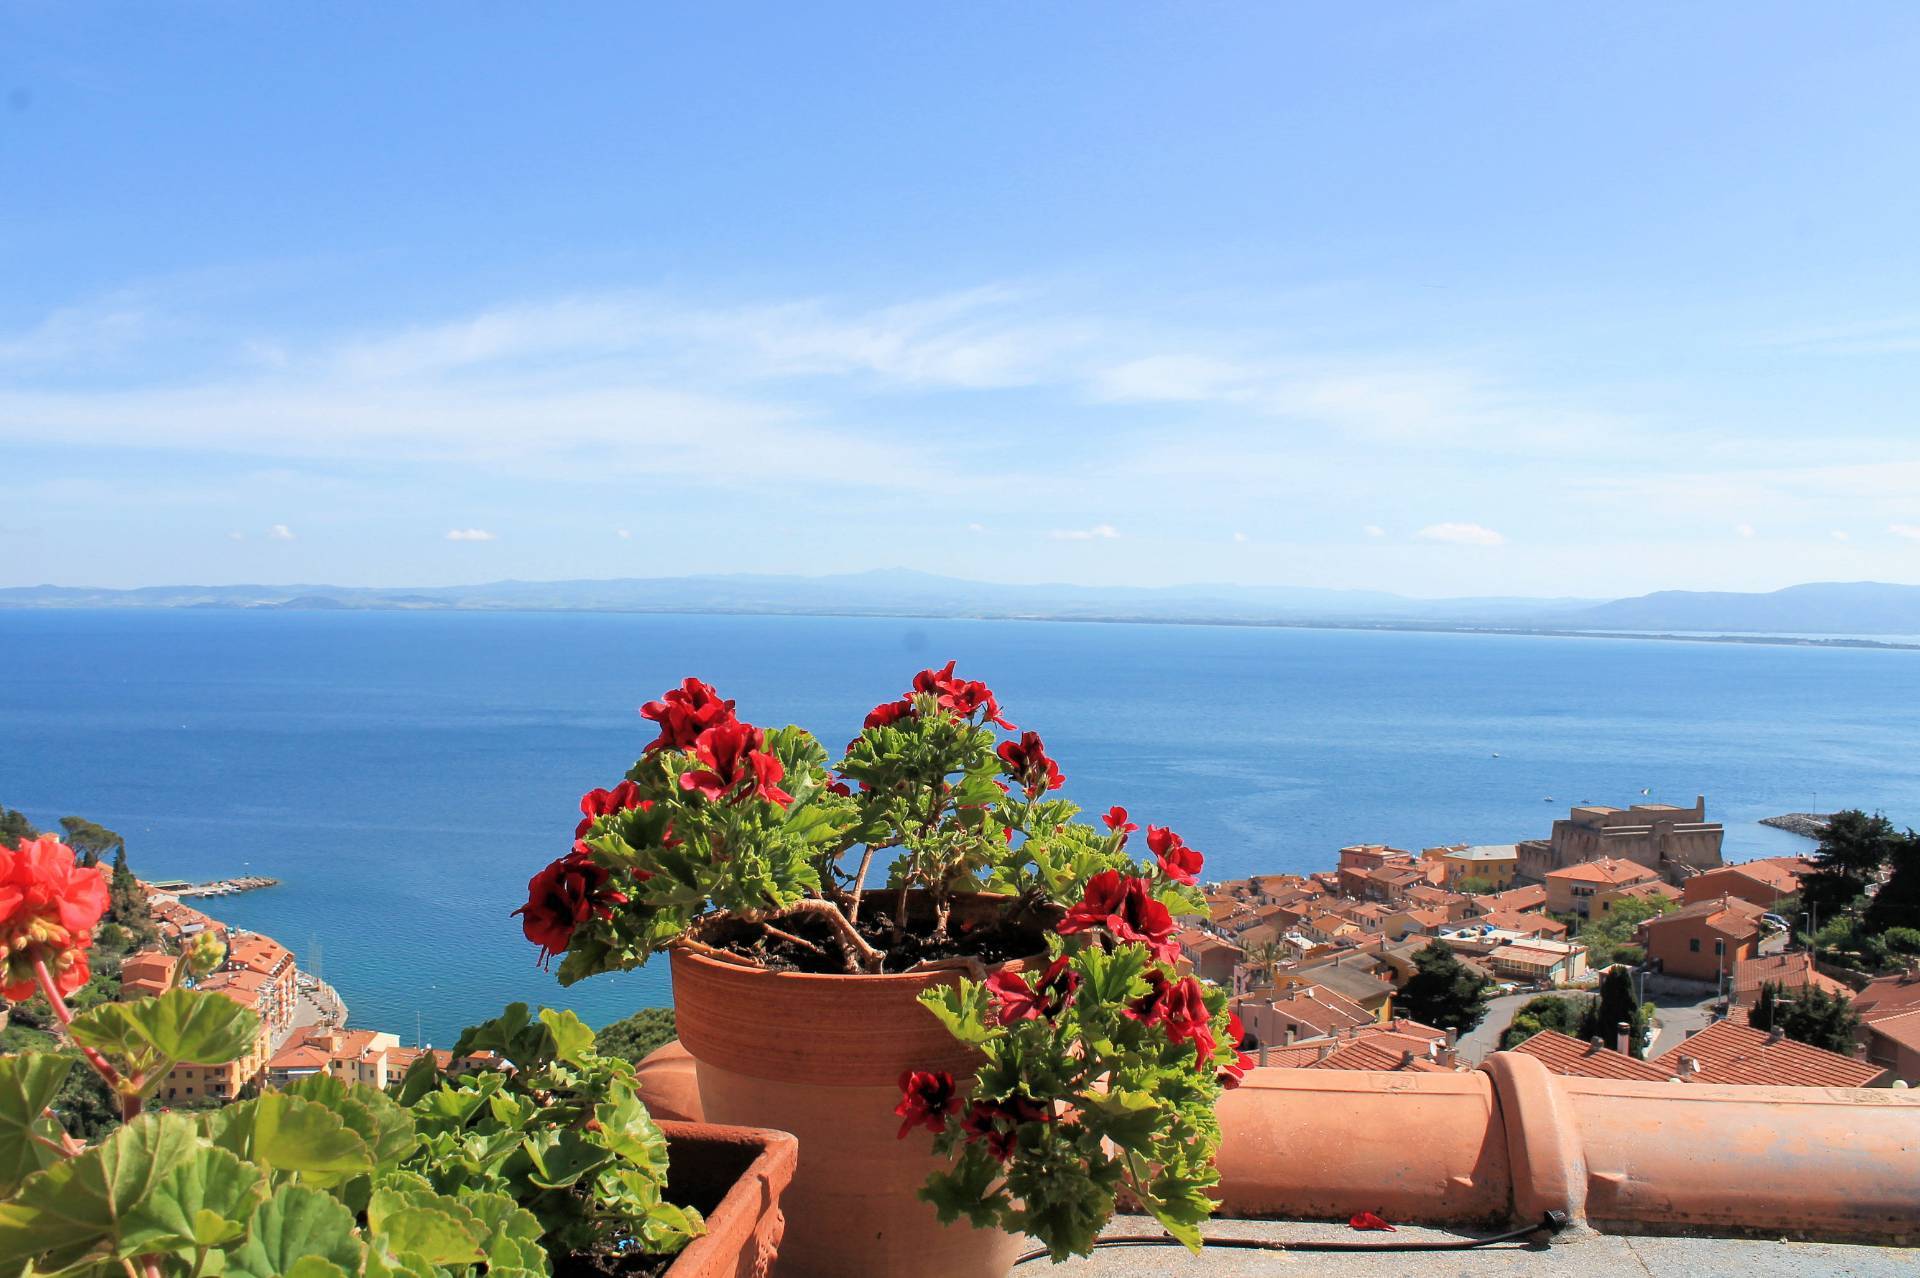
[{"x": 1552, "y": 1223}]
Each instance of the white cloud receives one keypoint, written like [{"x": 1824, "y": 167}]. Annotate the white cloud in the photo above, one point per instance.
[
  {"x": 469, "y": 534},
  {"x": 1743, "y": 530},
  {"x": 623, "y": 534},
  {"x": 1461, "y": 534},
  {"x": 236, "y": 536},
  {"x": 1910, "y": 531},
  {"x": 1240, "y": 536},
  {"x": 280, "y": 532},
  {"x": 1099, "y": 532},
  {"x": 976, "y": 528},
  {"x": 1839, "y": 535},
  {"x": 1374, "y": 530}
]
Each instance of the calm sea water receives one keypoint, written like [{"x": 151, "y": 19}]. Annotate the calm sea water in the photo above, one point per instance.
[{"x": 403, "y": 774}]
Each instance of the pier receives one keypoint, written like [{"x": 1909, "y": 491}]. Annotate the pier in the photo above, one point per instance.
[{"x": 219, "y": 887}]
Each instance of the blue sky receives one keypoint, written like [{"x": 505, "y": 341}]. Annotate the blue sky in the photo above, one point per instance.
[{"x": 1438, "y": 298}]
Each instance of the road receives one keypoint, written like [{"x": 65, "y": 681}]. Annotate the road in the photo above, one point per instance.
[{"x": 1677, "y": 1018}]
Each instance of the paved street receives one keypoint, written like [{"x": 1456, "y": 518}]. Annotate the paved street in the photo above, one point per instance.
[{"x": 1677, "y": 1018}]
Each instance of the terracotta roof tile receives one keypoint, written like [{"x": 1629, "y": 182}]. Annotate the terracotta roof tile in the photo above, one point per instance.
[
  {"x": 1564, "y": 1055},
  {"x": 1372, "y": 1053},
  {"x": 1795, "y": 971},
  {"x": 1609, "y": 869},
  {"x": 1898, "y": 992},
  {"x": 1729, "y": 1052}
]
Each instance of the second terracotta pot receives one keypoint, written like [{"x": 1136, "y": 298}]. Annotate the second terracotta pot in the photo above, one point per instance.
[{"x": 821, "y": 1057}]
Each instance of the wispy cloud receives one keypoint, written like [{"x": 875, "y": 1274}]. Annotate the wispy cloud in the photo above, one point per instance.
[
  {"x": 1910, "y": 531},
  {"x": 280, "y": 532},
  {"x": 469, "y": 534},
  {"x": 1743, "y": 530},
  {"x": 1099, "y": 532},
  {"x": 1461, "y": 534},
  {"x": 1374, "y": 530}
]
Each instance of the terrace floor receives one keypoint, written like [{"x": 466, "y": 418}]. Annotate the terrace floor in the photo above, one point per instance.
[{"x": 1572, "y": 1255}]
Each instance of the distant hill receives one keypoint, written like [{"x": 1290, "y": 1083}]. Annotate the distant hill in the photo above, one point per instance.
[
  {"x": 1819, "y": 608},
  {"x": 1857, "y": 608},
  {"x": 887, "y": 592}
]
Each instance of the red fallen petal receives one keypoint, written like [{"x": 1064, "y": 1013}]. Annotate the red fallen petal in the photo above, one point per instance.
[{"x": 1367, "y": 1220}]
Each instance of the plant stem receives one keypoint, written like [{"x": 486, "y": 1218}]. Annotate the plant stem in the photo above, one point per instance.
[
  {"x": 64, "y": 1015},
  {"x": 859, "y": 954},
  {"x": 860, "y": 883}
]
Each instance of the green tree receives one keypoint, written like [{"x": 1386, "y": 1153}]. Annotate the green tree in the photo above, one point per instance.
[
  {"x": 632, "y": 1038},
  {"x": 1897, "y": 903},
  {"x": 1547, "y": 1012},
  {"x": 1616, "y": 1004},
  {"x": 1811, "y": 1016},
  {"x": 1476, "y": 885},
  {"x": 1853, "y": 850},
  {"x": 91, "y": 843},
  {"x": 1444, "y": 992},
  {"x": 14, "y": 827},
  {"x": 1609, "y": 937}
]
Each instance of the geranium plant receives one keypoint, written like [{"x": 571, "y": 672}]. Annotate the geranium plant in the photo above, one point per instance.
[
  {"x": 322, "y": 1179},
  {"x": 1100, "y": 1058}
]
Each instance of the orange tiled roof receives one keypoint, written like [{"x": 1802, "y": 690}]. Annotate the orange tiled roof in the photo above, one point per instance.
[
  {"x": 1374, "y": 1053},
  {"x": 1610, "y": 870},
  {"x": 261, "y": 953},
  {"x": 1900, "y": 1027},
  {"x": 1795, "y": 971},
  {"x": 1898, "y": 992},
  {"x": 1565, "y": 1055},
  {"x": 299, "y": 1055},
  {"x": 1729, "y": 1052},
  {"x": 1531, "y": 897},
  {"x": 1728, "y": 915},
  {"x": 1768, "y": 873}
]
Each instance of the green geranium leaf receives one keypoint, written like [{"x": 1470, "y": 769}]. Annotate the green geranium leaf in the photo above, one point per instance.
[
  {"x": 180, "y": 1025},
  {"x": 80, "y": 1203},
  {"x": 287, "y": 1134},
  {"x": 962, "y": 1009},
  {"x": 28, "y": 1084},
  {"x": 421, "y": 1077},
  {"x": 297, "y": 1225},
  {"x": 1129, "y": 1119},
  {"x": 315, "y": 1267},
  {"x": 436, "y": 1236},
  {"x": 366, "y": 1111},
  {"x": 203, "y": 1202},
  {"x": 572, "y": 1037},
  {"x": 561, "y": 1157},
  {"x": 629, "y": 1131}
]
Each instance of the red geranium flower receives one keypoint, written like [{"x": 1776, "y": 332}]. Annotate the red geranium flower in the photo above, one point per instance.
[
  {"x": 1180, "y": 1008},
  {"x": 1116, "y": 820},
  {"x": 888, "y": 712},
  {"x": 49, "y": 907},
  {"x": 926, "y": 1098},
  {"x": 1125, "y": 907},
  {"x": 968, "y": 696},
  {"x": 1177, "y": 861},
  {"x": 684, "y": 713},
  {"x": 1015, "y": 1000},
  {"x": 1236, "y": 1033},
  {"x": 732, "y": 754},
  {"x": 595, "y": 804},
  {"x": 1026, "y": 761},
  {"x": 566, "y": 894},
  {"x": 984, "y": 1121}
]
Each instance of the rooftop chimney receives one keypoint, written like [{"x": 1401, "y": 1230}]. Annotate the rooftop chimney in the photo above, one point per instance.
[
  {"x": 1326, "y": 1050},
  {"x": 1595, "y": 1045},
  {"x": 1289, "y": 1036},
  {"x": 1774, "y": 1035},
  {"x": 1406, "y": 1060},
  {"x": 1623, "y": 1038},
  {"x": 1453, "y": 1037}
]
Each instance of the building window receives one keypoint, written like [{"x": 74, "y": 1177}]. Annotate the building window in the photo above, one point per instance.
[
  {"x": 1693, "y": 944},
  {"x": 1719, "y": 947}
]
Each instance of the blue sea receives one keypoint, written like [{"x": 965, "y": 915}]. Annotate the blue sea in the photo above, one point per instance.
[{"x": 402, "y": 774}]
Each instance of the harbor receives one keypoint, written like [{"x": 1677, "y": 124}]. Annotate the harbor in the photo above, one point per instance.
[{"x": 182, "y": 889}]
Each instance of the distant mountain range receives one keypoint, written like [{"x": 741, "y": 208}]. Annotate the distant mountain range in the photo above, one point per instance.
[{"x": 1826, "y": 608}]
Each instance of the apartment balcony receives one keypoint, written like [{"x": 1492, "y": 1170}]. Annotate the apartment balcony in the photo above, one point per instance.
[{"x": 1660, "y": 1178}]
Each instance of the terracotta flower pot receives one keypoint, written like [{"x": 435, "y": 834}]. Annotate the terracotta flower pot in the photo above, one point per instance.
[
  {"x": 821, "y": 1057},
  {"x": 736, "y": 1176}
]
